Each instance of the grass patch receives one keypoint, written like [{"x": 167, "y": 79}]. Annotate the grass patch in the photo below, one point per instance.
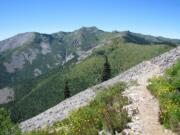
[
  {"x": 103, "y": 113},
  {"x": 166, "y": 89}
]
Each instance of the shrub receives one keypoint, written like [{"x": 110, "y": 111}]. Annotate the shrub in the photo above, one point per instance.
[
  {"x": 6, "y": 126},
  {"x": 165, "y": 89}
]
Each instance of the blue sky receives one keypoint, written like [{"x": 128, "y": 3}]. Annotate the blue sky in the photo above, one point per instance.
[{"x": 155, "y": 17}]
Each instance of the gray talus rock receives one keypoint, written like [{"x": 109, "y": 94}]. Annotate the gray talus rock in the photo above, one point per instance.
[
  {"x": 17, "y": 61},
  {"x": 45, "y": 48},
  {"x": 6, "y": 95},
  {"x": 37, "y": 72}
]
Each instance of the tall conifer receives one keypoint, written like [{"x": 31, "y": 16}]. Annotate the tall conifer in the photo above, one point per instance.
[
  {"x": 106, "y": 70},
  {"x": 66, "y": 90}
]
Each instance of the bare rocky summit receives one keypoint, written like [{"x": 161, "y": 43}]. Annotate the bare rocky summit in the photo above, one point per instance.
[{"x": 16, "y": 41}]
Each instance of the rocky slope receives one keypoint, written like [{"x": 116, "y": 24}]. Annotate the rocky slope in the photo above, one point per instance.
[
  {"x": 6, "y": 95},
  {"x": 144, "y": 121},
  {"x": 16, "y": 41}
]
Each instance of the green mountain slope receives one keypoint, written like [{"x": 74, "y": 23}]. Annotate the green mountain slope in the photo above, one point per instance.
[
  {"x": 29, "y": 55},
  {"x": 37, "y": 95},
  {"x": 148, "y": 39}
]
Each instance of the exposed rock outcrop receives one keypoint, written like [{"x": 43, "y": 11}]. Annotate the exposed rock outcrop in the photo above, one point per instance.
[
  {"x": 6, "y": 95},
  {"x": 17, "y": 61},
  {"x": 37, "y": 72},
  {"x": 45, "y": 48}
]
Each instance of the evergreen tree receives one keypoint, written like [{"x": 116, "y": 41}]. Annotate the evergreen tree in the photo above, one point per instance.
[
  {"x": 6, "y": 125},
  {"x": 106, "y": 70},
  {"x": 66, "y": 90}
]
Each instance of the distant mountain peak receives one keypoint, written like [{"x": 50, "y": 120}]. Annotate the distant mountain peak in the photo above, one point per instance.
[
  {"x": 16, "y": 41},
  {"x": 139, "y": 38},
  {"x": 88, "y": 29}
]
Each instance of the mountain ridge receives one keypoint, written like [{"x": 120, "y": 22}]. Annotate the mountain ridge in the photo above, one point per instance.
[
  {"x": 42, "y": 85},
  {"x": 24, "y": 51},
  {"x": 81, "y": 99},
  {"x": 90, "y": 28}
]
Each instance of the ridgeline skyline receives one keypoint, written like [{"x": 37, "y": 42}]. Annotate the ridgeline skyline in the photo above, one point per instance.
[{"x": 155, "y": 17}]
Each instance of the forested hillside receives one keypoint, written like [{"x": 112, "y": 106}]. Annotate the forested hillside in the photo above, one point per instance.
[{"x": 28, "y": 55}]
